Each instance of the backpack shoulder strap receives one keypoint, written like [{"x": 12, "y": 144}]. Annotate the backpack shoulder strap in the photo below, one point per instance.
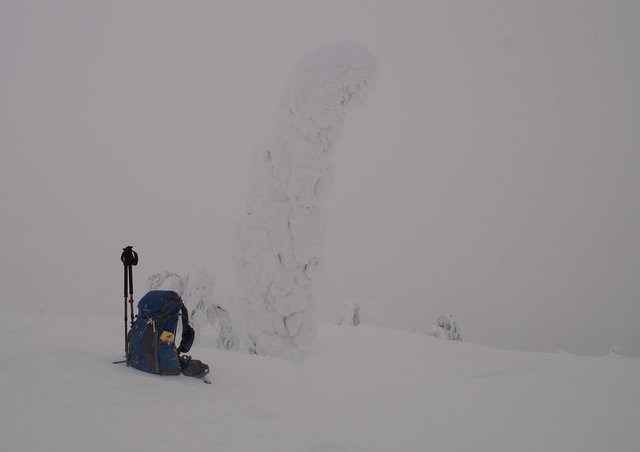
[{"x": 188, "y": 333}]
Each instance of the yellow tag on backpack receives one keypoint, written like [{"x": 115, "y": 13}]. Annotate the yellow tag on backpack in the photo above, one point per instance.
[{"x": 167, "y": 337}]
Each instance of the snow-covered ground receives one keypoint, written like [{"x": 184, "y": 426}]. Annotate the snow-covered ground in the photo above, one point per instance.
[{"x": 358, "y": 389}]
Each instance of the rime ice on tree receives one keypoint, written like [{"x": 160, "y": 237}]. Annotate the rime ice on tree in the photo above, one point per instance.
[
  {"x": 196, "y": 291},
  {"x": 279, "y": 238},
  {"x": 355, "y": 312},
  {"x": 446, "y": 327}
]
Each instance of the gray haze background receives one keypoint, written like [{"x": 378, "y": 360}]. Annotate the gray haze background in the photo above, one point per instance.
[{"x": 493, "y": 175}]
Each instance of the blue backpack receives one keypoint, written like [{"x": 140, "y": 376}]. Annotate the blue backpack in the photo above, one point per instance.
[{"x": 151, "y": 344}]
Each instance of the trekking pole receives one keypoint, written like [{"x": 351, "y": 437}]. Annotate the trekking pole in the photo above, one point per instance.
[{"x": 129, "y": 258}]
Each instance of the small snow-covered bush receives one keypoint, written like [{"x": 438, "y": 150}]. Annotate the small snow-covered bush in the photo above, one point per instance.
[
  {"x": 166, "y": 280},
  {"x": 355, "y": 312},
  {"x": 617, "y": 350},
  {"x": 446, "y": 327},
  {"x": 196, "y": 291},
  {"x": 198, "y": 297}
]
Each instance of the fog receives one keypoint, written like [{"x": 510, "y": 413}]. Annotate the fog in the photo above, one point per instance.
[{"x": 493, "y": 175}]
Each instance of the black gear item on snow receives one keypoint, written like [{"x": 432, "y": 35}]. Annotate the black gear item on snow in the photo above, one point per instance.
[{"x": 193, "y": 367}]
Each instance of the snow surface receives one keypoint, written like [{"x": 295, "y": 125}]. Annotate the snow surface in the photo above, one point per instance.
[{"x": 358, "y": 389}]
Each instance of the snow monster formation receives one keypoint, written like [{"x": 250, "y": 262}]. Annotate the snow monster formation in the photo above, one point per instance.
[{"x": 279, "y": 238}]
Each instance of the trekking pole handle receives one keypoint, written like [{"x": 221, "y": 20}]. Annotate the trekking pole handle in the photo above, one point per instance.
[{"x": 129, "y": 257}]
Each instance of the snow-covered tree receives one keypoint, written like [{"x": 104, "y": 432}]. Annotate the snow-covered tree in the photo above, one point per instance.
[
  {"x": 204, "y": 311},
  {"x": 355, "y": 312},
  {"x": 446, "y": 327},
  {"x": 198, "y": 297},
  {"x": 617, "y": 350},
  {"x": 279, "y": 237},
  {"x": 196, "y": 291},
  {"x": 166, "y": 280}
]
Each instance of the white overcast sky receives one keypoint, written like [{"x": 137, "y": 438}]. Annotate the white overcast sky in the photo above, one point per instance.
[{"x": 494, "y": 174}]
